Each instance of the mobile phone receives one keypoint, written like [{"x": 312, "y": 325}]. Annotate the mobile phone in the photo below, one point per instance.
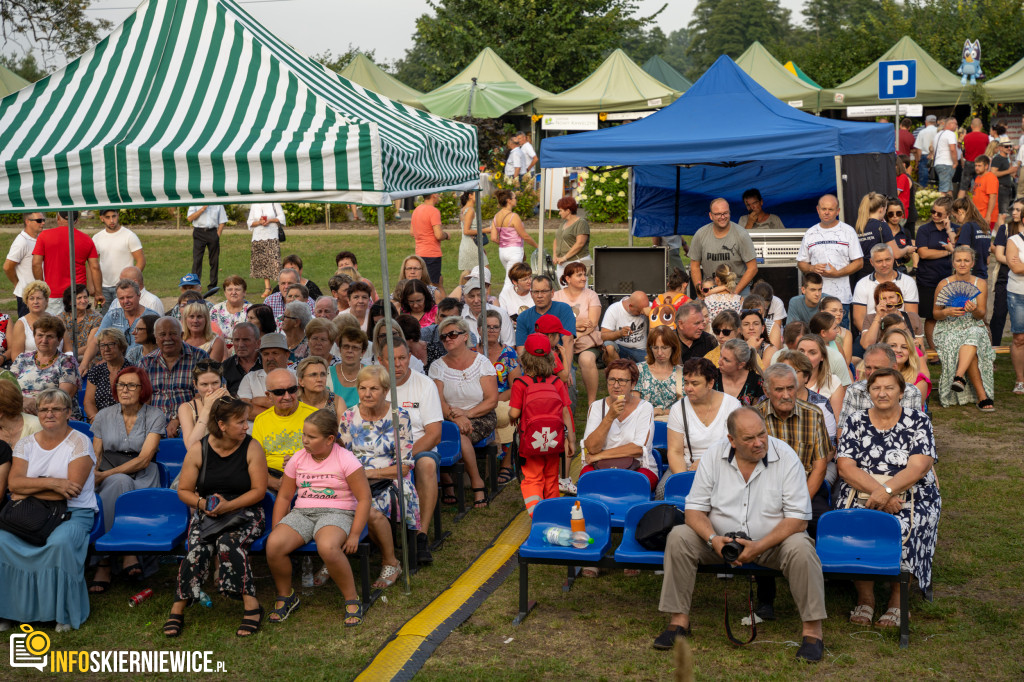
[{"x": 211, "y": 503}]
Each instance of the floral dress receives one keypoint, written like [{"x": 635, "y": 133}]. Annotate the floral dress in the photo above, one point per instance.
[
  {"x": 82, "y": 329},
  {"x": 507, "y": 361},
  {"x": 661, "y": 394},
  {"x": 223, "y": 323},
  {"x": 373, "y": 442},
  {"x": 949, "y": 335},
  {"x": 34, "y": 379},
  {"x": 716, "y": 303},
  {"x": 888, "y": 453}
]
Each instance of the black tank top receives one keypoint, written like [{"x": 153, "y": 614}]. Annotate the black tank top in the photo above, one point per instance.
[{"x": 228, "y": 476}]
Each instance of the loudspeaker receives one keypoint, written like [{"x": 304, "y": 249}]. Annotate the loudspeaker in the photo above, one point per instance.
[
  {"x": 784, "y": 278},
  {"x": 621, "y": 270}
]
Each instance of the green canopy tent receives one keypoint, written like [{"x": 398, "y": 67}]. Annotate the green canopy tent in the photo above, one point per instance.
[
  {"x": 483, "y": 100},
  {"x": 771, "y": 75},
  {"x": 10, "y": 81},
  {"x": 663, "y": 72},
  {"x": 618, "y": 84},
  {"x": 792, "y": 67},
  {"x": 362, "y": 71},
  {"x": 1008, "y": 86},
  {"x": 935, "y": 85},
  {"x": 213, "y": 108},
  {"x": 485, "y": 69}
]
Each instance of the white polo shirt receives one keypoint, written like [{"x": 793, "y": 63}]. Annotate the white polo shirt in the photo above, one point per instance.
[
  {"x": 838, "y": 246},
  {"x": 777, "y": 490},
  {"x": 864, "y": 292}
]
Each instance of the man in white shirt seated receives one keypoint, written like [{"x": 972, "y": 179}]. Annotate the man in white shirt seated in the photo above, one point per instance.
[
  {"x": 752, "y": 483},
  {"x": 253, "y": 389},
  {"x": 864, "y": 293}
]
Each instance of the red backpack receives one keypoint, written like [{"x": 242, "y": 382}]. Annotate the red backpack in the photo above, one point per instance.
[{"x": 541, "y": 429}]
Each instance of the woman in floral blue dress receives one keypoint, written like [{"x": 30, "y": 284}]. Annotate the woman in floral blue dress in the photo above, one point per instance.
[
  {"x": 366, "y": 430},
  {"x": 895, "y": 444}
]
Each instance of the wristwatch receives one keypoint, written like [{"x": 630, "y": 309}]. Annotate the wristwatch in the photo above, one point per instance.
[
  {"x": 710, "y": 538},
  {"x": 888, "y": 490}
]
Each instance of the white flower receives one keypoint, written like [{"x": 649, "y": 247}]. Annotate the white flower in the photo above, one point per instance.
[
  {"x": 583, "y": 197},
  {"x": 625, "y": 175},
  {"x": 598, "y": 192},
  {"x": 622, "y": 194},
  {"x": 608, "y": 198},
  {"x": 583, "y": 175}
]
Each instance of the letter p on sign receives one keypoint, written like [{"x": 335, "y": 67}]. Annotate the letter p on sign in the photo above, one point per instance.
[{"x": 897, "y": 79}]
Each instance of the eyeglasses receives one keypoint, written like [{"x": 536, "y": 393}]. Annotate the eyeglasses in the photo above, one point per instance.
[
  {"x": 288, "y": 317},
  {"x": 452, "y": 335},
  {"x": 107, "y": 346},
  {"x": 351, "y": 347},
  {"x": 705, "y": 289},
  {"x": 722, "y": 330},
  {"x": 492, "y": 328},
  {"x": 281, "y": 391},
  {"x": 894, "y": 214},
  {"x": 938, "y": 214},
  {"x": 128, "y": 387},
  {"x": 47, "y": 411},
  {"x": 619, "y": 381},
  {"x": 723, "y": 214}
]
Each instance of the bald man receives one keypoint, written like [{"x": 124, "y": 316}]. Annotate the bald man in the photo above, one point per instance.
[
  {"x": 722, "y": 242},
  {"x": 624, "y": 329},
  {"x": 832, "y": 249},
  {"x": 146, "y": 297},
  {"x": 278, "y": 430}
]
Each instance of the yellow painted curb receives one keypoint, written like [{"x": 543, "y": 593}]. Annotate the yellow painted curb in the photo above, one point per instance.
[{"x": 396, "y": 654}]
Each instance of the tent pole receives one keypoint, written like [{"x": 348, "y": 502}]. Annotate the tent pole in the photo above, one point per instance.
[
  {"x": 98, "y": 285},
  {"x": 400, "y": 480},
  {"x": 543, "y": 210},
  {"x": 483, "y": 276},
  {"x": 629, "y": 204},
  {"x": 896, "y": 118},
  {"x": 327, "y": 215},
  {"x": 839, "y": 187}
]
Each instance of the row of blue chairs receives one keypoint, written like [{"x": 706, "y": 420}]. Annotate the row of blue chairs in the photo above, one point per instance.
[{"x": 853, "y": 544}]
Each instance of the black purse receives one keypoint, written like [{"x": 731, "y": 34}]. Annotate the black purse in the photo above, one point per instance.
[
  {"x": 654, "y": 526},
  {"x": 111, "y": 459},
  {"x": 281, "y": 236},
  {"x": 211, "y": 527},
  {"x": 33, "y": 519}
]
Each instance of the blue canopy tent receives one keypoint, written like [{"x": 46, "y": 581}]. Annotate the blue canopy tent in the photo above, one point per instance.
[{"x": 724, "y": 135}]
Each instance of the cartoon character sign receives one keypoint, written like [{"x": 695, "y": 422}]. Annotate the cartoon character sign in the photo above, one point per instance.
[
  {"x": 661, "y": 315},
  {"x": 970, "y": 63}
]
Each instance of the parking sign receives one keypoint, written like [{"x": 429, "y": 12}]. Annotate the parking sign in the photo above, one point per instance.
[{"x": 897, "y": 79}]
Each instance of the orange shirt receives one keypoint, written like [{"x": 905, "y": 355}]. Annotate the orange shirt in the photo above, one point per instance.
[
  {"x": 985, "y": 186},
  {"x": 424, "y": 217}
]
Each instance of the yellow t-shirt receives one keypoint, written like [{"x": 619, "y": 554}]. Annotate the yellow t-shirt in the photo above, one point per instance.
[{"x": 280, "y": 436}]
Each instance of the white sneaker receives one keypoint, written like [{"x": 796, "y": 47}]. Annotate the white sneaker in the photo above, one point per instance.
[
  {"x": 1018, "y": 388},
  {"x": 63, "y": 627},
  {"x": 566, "y": 486},
  {"x": 5, "y": 624}
]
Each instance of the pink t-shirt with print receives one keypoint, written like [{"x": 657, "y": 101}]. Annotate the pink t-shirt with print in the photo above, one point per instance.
[{"x": 323, "y": 484}]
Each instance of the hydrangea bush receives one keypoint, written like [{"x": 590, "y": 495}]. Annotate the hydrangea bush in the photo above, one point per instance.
[{"x": 603, "y": 195}]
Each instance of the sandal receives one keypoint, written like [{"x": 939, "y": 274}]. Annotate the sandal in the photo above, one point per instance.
[
  {"x": 134, "y": 571},
  {"x": 987, "y": 405},
  {"x": 103, "y": 585},
  {"x": 175, "y": 622},
  {"x": 266, "y": 292},
  {"x": 349, "y": 615},
  {"x": 589, "y": 572},
  {"x": 479, "y": 504},
  {"x": 288, "y": 604},
  {"x": 505, "y": 476},
  {"x": 889, "y": 619},
  {"x": 862, "y": 615},
  {"x": 958, "y": 385},
  {"x": 249, "y": 627},
  {"x": 448, "y": 496},
  {"x": 321, "y": 577},
  {"x": 388, "y": 576}
]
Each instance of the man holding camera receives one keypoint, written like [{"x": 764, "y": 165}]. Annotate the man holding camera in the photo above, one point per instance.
[{"x": 748, "y": 486}]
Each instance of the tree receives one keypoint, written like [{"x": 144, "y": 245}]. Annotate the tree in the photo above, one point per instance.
[
  {"x": 676, "y": 52},
  {"x": 338, "y": 62},
  {"x": 58, "y": 28},
  {"x": 729, "y": 27},
  {"x": 641, "y": 45},
  {"x": 551, "y": 43},
  {"x": 27, "y": 67}
]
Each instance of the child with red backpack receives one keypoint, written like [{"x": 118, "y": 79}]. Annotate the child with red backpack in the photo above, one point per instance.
[{"x": 540, "y": 403}]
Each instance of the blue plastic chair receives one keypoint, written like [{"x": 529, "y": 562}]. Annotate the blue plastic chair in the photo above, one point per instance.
[
  {"x": 629, "y": 550},
  {"x": 165, "y": 478},
  {"x": 171, "y": 454},
  {"x": 98, "y": 527},
  {"x": 616, "y": 489},
  {"x": 450, "y": 446},
  {"x": 865, "y": 541},
  {"x": 662, "y": 467},
  {"x": 81, "y": 427},
  {"x": 661, "y": 436},
  {"x": 149, "y": 520},
  {"x": 677, "y": 487},
  {"x": 555, "y": 512},
  {"x": 81, "y": 399},
  {"x": 269, "y": 499}
]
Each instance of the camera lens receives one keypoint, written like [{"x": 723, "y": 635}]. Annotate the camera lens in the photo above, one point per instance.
[{"x": 731, "y": 551}]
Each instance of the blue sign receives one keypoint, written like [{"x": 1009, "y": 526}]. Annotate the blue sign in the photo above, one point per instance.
[{"x": 897, "y": 79}]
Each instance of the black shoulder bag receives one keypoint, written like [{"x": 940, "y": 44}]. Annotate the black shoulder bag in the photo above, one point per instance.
[
  {"x": 33, "y": 519},
  {"x": 210, "y": 527}
]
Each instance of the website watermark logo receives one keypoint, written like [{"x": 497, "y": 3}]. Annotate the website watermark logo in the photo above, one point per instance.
[{"x": 29, "y": 649}]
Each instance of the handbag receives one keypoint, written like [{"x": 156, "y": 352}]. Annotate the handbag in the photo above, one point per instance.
[
  {"x": 111, "y": 459},
  {"x": 211, "y": 527},
  {"x": 631, "y": 463},
  {"x": 281, "y": 236},
  {"x": 859, "y": 498},
  {"x": 33, "y": 519},
  {"x": 654, "y": 526}
]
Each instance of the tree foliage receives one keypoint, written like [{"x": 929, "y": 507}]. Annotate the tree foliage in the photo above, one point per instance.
[
  {"x": 59, "y": 28},
  {"x": 340, "y": 61},
  {"x": 729, "y": 27},
  {"x": 27, "y": 67},
  {"x": 677, "y": 51},
  {"x": 551, "y": 43}
]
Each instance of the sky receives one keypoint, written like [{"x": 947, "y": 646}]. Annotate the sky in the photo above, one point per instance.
[{"x": 393, "y": 21}]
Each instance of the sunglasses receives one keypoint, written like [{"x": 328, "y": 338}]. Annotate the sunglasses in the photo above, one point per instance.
[
  {"x": 208, "y": 364},
  {"x": 281, "y": 391},
  {"x": 37, "y": 220},
  {"x": 452, "y": 335},
  {"x": 722, "y": 330},
  {"x": 938, "y": 214},
  {"x": 706, "y": 289},
  {"x": 894, "y": 214}
]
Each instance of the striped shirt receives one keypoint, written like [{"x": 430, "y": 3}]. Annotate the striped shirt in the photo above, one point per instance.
[
  {"x": 803, "y": 430},
  {"x": 172, "y": 386}
]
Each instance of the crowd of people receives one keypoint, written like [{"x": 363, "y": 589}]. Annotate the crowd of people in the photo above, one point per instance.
[{"x": 290, "y": 393}]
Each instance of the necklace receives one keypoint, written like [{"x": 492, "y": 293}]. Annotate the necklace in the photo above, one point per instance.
[
  {"x": 341, "y": 370},
  {"x": 320, "y": 459},
  {"x": 42, "y": 365}
]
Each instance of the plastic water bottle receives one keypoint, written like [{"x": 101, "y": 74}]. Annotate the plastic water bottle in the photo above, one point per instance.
[
  {"x": 307, "y": 571},
  {"x": 205, "y": 600},
  {"x": 580, "y": 539},
  {"x": 556, "y": 535}
]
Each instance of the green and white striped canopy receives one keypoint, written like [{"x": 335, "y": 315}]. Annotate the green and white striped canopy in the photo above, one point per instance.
[{"x": 192, "y": 101}]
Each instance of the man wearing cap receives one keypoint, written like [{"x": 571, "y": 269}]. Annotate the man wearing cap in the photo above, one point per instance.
[
  {"x": 253, "y": 388},
  {"x": 51, "y": 262},
  {"x": 170, "y": 370},
  {"x": 541, "y": 292},
  {"x": 624, "y": 329},
  {"x": 207, "y": 225},
  {"x": 921, "y": 146},
  {"x": 245, "y": 340},
  {"x": 473, "y": 295},
  {"x": 189, "y": 282},
  {"x": 278, "y": 430}
]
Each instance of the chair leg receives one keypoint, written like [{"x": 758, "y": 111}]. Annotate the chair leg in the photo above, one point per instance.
[
  {"x": 364, "y": 575},
  {"x": 439, "y": 534},
  {"x": 904, "y": 610},
  {"x": 458, "y": 478},
  {"x": 492, "y": 470},
  {"x": 572, "y": 573},
  {"x": 525, "y": 605}
]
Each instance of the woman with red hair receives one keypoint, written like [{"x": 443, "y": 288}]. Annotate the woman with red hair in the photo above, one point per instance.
[
  {"x": 126, "y": 436},
  {"x": 572, "y": 238}
]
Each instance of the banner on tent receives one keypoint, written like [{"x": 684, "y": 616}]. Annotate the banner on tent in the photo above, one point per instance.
[
  {"x": 627, "y": 115},
  {"x": 873, "y": 110},
  {"x": 569, "y": 122}
]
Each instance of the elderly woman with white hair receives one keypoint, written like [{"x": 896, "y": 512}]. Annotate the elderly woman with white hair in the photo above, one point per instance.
[{"x": 293, "y": 325}]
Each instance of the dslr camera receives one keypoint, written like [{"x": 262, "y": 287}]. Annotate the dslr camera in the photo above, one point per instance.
[{"x": 731, "y": 550}]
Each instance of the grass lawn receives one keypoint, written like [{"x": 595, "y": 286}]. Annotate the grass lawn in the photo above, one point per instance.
[{"x": 602, "y": 629}]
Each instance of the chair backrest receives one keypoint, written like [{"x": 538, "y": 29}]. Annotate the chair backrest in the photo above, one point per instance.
[
  {"x": 860, "y": 535},
  {"x": 661, "y": 437},
  {"x": 451, "y": 440},
  {"x": 151, "y": 507},
  {"x": 677, "y": 487},
  {"x": 617, "y": 489},
  {"x": 98, "y": 526},
  {"x": 81, "y": 427},
  {"x": 636, "y": 512},
  {"x": 556, "y": 512},
  {"x": 171, "y": 455}
]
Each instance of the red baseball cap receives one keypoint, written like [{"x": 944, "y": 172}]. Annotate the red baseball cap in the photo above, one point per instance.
[
  {"x": 549, "y": 324},
  {"x": 537, "y": 344}
]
